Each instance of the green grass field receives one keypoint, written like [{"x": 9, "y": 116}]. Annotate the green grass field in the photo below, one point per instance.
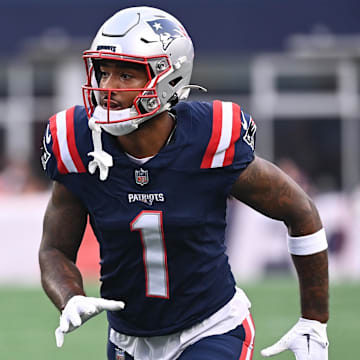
[{"x": 28, "y": 321}]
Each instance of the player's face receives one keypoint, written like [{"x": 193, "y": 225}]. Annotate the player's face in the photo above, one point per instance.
[{"x": 121, "y": 75}]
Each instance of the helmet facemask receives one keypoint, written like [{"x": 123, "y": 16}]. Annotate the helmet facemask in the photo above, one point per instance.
[{"x": 146, "y": 103}]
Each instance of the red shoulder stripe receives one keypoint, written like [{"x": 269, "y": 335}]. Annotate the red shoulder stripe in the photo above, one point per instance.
[
  {"x": 235, "y": 135},
  {"x": 215, "y": 135},
  {"x": 70, "y": 136},
  {"x": 56, "y": 149}
]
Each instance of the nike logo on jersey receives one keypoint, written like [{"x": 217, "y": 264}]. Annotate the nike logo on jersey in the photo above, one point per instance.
[
  {"x": 308, "y": 341},
  {"x": 148, "y": 199}
]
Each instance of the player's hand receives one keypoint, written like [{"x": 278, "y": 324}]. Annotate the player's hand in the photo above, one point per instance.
[
  {"x": 307, "y": 340},
  {"x": 80, "y": 309}
]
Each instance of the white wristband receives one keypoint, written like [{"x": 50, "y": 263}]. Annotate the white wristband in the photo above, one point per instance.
[{"x": 307, "y": 244}]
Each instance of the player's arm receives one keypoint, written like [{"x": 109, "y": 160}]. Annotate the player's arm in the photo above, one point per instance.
[
  {"x": 267, "y": 189},
  {"x": 63, "y": 228}
]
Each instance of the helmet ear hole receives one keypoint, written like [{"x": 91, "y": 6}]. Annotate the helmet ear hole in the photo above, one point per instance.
[
  {"x": 175, "y": 81},
  {"x": 141, "y": 108}
]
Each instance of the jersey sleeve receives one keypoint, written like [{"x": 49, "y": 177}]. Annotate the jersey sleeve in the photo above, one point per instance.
[
  {"x": 62, "y": 151},
  {"x": 232, "y": 138}
]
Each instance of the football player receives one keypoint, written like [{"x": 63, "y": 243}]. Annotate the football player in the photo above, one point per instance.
[{"x": 153, "y": 173}]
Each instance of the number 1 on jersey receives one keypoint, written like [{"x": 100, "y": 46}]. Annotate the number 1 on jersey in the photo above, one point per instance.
[{"x": 149, "y": 224}]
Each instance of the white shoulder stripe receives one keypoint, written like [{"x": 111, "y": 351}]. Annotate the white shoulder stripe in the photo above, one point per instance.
[
  {"x": 62, "y": 140},
  {"x": 225, "y": 138}
]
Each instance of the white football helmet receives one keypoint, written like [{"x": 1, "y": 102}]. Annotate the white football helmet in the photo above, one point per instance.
[{"x": 142, "y": 35}]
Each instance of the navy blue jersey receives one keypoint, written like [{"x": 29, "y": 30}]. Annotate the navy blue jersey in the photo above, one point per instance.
[{"x": 161, "y": 225}]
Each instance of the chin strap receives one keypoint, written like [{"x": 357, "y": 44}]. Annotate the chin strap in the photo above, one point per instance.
[{"x": 102, "y": 159}]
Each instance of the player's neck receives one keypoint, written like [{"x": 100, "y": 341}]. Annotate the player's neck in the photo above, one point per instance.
[{"x": 151, "y": 136}]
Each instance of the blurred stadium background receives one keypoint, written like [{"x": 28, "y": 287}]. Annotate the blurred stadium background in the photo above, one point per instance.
[{"x": 294, "y": 65}]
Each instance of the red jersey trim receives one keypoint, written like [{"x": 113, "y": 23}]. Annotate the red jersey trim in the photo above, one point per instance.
[
  {"x": 64, "y": 145},
  {"x": 56, "y": 148},
  {"x": 226, "y": 127},
  {"x": 70, "y": 136},
  {"x": 215, "y": 136},
  {"x": 235, "y": 135}
]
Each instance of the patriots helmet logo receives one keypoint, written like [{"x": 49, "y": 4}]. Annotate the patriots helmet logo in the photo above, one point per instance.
[
  {"x": 45, "y": 153},
  {"x": 167, "y": 30},
  {"x": 250, "y": 132}
]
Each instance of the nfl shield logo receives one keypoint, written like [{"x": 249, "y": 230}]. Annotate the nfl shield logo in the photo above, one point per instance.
[
  {"x": 141, "y": 177},
  {"x": 119, "y": 354}
]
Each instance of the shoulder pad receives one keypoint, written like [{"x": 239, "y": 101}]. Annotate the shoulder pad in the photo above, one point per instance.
[
  {"x": 62, "y": 139},
  {"x": 232, "y": 137},
  {"x": 226, "y": 125}
]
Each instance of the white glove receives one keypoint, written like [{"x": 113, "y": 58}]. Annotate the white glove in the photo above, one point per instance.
[
  {"x": 307, "y": 340},
  {"x": 80, "y": 309}
]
